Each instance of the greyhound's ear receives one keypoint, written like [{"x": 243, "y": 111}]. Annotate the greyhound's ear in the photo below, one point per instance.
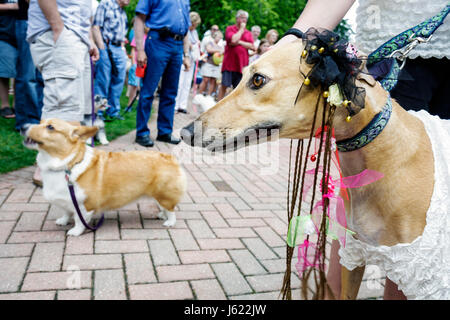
[
  {"x": 84, "y": 132},
  {"x": 364, "y": 75}
]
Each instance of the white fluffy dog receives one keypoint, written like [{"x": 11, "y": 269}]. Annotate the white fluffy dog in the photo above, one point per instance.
[{"x": 205, "y": 102}]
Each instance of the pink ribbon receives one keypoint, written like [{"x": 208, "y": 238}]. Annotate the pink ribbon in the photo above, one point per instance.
[
  {"x": 303, "y": 261},
  {"x": 336, "y": 208},
  {"x": 336, "y": 220}
]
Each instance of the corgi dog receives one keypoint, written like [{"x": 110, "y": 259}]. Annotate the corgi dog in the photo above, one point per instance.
[{"x": 102, "y": 180}]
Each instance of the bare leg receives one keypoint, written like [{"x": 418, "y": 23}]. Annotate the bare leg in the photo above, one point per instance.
[
  {"x": 202, "y": 86},
  {"x": 222, "y": 91},
  {"x": 212, "y": 85},
  {"x": 4, "y": 96},
  {"x": 37, "y": 178},
  {"x": 351, "y": 281},
  {"x": 334, "y": 270},
  {"x": 4, "y": 88},
  {"x": 391, "y": 291},
  {"x": 132, "y": 93}
]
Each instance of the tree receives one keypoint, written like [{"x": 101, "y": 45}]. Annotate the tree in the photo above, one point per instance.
[{"x": 268, "y": 14}]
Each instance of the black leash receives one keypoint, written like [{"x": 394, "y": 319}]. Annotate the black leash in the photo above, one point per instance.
[{"x": 130, "y": 106}]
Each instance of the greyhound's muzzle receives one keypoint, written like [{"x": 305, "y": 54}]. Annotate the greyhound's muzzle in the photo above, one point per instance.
[
  {"x": 196, "y": 135},
  {"x": 213, "y": 139},
  {"x": 191, "y": 136}
]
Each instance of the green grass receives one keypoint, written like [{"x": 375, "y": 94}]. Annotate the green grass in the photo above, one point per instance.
[
  {"x": 118, "y": 128},
  {"x": 13, "y": 155}
]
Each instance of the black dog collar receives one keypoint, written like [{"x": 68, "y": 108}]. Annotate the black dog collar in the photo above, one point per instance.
[{"x": 295, "y": 32}]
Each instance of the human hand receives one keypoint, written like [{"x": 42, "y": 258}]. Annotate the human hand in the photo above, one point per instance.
[
  {"x": 141, "y": 58},
  {"x": 187, "y": 63},
  {"x": 57, "y": 30},
  {"x": 286, "y": 39},
  {"x": 94, "y": 53},
  {"x": 243, "y": 25}
]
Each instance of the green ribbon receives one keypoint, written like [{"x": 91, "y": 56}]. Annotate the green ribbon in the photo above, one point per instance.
[
  {"x": 298, "y": 228},
  {"x": 296, "y": 232}
]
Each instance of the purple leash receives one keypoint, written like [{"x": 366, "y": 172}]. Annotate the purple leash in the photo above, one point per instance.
[
  {"x": 93, "y": 116},
  {"x": 69, "y": 183},
  {"x": 77, "y": 208}
]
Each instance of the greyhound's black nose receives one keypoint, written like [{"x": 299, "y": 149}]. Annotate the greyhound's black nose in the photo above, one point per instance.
[{"x": 187, "y": 134}]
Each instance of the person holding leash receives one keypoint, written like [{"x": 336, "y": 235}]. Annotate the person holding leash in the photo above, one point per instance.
[
  {"x": 422, "y": 83},
  {"x": 60, "y": 37}
]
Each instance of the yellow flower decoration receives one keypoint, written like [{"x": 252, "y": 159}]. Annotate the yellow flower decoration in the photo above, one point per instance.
[{"x": 335, "y": 97}]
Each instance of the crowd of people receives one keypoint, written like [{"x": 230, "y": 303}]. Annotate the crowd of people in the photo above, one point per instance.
[{"x": 53, "y": 49}]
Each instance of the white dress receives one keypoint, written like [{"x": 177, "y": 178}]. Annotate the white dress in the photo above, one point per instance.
[{"x": 421, "y": 269}]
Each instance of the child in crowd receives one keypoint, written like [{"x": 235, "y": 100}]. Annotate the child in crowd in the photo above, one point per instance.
[
  {"x": 264, "y": 46},
  {"x": 211, "y": 69}
]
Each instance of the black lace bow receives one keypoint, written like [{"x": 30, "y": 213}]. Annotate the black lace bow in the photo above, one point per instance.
[{"x": 335, "y": 61}]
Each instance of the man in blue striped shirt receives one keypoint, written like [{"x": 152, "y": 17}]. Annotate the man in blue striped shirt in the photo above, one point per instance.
[
  {"x": 110, "y": 28},
  {"x": 166, "y": 48}
]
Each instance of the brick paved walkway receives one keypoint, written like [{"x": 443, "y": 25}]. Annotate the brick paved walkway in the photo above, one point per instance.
[{"x": 228, "y": 242}]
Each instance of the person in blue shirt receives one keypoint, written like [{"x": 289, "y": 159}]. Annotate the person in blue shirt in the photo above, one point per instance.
[{"x": 166, "y": 49}]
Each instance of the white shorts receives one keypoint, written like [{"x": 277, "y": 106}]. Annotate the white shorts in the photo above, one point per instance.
[
  {"x": 66, "y": 70},
  {"x": 211, "y": 71}
]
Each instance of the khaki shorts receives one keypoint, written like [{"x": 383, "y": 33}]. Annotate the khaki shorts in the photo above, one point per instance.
[{"x": 66, "y": 70}]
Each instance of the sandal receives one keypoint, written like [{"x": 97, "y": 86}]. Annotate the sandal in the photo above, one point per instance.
[{"x": 7, "y": 113}]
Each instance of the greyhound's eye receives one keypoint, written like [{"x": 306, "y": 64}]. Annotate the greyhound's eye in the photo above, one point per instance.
[
  {"x": 50, "y": 127},
  {"x": 257, "y": 81}
]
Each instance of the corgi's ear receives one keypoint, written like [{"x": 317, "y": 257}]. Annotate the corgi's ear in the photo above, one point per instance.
[{"x": 84, "y": 132}]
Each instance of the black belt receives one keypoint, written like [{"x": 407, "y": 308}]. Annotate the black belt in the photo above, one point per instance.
[
  {"x": 166, "y": 33},
  {"x": 114, "y": 43}
]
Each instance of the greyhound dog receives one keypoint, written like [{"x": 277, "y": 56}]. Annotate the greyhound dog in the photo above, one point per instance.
[{"x": 388, "y": 214}]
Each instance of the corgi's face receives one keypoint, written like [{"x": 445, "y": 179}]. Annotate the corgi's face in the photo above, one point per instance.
[{"x": 57, "y": 137}]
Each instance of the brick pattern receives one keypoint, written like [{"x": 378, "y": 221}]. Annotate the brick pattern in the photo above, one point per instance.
[{"x": 228, "y": 242}]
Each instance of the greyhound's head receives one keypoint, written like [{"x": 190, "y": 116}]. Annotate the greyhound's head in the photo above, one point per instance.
[{"x": 268, "y": 100}]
